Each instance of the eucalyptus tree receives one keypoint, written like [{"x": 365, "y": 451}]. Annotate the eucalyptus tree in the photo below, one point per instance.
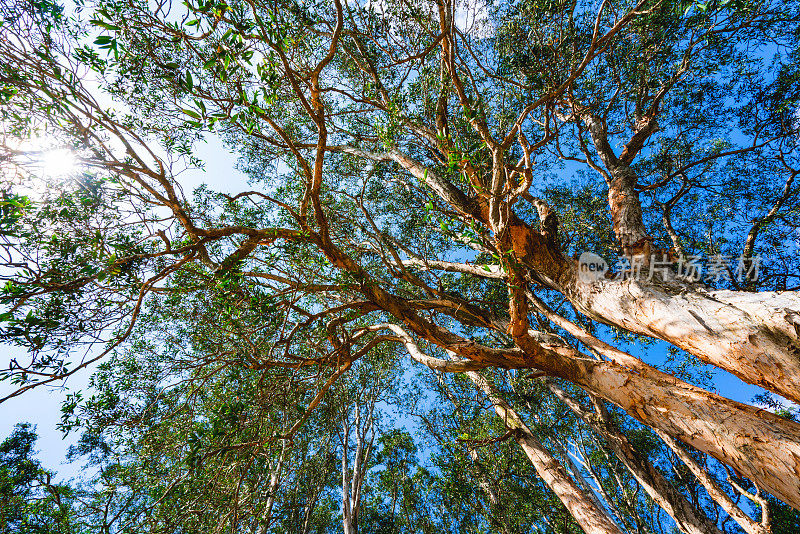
[
  {"x": 200, "y": 454},
  {"x": 357, "y": 407},
  {"x": 30, "y": 500},
  {"x": 411, "y": 164},
  {"x": 400, "y": 497},
  {"x": 479, "y": 465}
]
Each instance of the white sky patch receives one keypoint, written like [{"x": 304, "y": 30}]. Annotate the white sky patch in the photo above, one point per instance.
[
  {"x": 472, "y": 17},
  {"x": 59, "y": 162}
]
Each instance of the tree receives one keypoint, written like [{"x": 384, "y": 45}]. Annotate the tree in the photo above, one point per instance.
[
  {"x": 30, "y": 502},
  {"x": 403, "y": 158}
]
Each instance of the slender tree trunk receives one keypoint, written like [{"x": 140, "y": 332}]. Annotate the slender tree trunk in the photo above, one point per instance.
[
  {"x": 272, "y": 490},
  {"x": 688, "y": 518},
  {"x": 311, "y": 503},
  {"x": 347, "y": 516},
  {"x": 495, "y": 503},
  {"x": 580, "y": 505},
  {"x": 716, "y": 492},
  {"x": 579, "y": 477},
  {"x": 352, "y": 479}
]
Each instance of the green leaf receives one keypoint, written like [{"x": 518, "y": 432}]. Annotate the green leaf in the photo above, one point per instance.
[
  {"x": 191, "y": 113},
  {"x": 105, "y": 25}
]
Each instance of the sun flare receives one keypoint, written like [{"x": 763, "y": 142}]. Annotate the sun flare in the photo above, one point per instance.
[
  {"x": 58, "y": 163},
  {"x": 37, "y": 166}
]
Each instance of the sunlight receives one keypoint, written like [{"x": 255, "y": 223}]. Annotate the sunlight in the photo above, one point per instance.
[
  {"x": 35, "y": 167},
  {"x": 58, "y": 163}
]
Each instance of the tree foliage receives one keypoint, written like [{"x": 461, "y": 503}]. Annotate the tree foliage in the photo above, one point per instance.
[{"x": 424, "y": 177}]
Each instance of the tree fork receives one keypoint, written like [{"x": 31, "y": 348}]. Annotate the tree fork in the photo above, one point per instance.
[{"x": 755, "y": 336}]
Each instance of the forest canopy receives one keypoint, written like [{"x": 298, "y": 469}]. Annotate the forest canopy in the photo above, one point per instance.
[{"x": 490, "y": 255}]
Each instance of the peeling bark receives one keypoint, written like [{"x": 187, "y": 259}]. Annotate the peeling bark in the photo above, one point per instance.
[
  {"x": 760, "y": 445},
  {"x": 688, "y": 518},
  {"x": 755, "y": 336},
  {"x": 751, "y": 335},
  {"x": 626, "y": 212}
]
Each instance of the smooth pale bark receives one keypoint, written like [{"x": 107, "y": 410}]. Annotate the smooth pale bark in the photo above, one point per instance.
[
  {"x": 272, "y": 490},
  {"x": 757, "y": 443},
  {"x": 352, "y": 479},
  {"x": 752, "y": 335},
  {"x": 581, "y": 506},
  {"x": 688, "y": 518},
  {"x": 579, "y": 477}
]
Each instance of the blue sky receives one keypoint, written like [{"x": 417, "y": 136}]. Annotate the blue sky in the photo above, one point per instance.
[{"x": 42, "y": 406}]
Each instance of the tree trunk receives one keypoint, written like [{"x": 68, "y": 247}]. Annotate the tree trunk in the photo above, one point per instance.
[
  {"x": 627, "y": 215},
  {"x": 688, "y": 518},
  {"x": 755, "y": 336},
  {"x": 347, "y": 513},
  {"x": 352, "y": 479},
  {"x": 760, "y": 445},
  {"x": 751, "y": 335},
  {"x": 272, "y": 490},
  {"x": 610, "y": 506},
  {"x": 495, "y": 503},
  {"x": 592, "y": 519}
]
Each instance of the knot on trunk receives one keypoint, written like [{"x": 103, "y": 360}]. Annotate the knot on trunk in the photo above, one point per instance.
[{"x": 547, "y": 218}]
